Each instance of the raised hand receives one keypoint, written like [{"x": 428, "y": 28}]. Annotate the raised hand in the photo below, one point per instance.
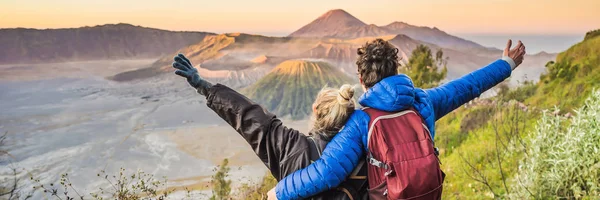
[
  {"x": 186, "y": 69},
  {"x": 517, "y": 54}
]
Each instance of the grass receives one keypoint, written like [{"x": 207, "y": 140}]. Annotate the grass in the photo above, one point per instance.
[
  {"x": 478, "y": 162},
  {"x": 476, "y": 167},
  {"x": 571, "y": 78}
]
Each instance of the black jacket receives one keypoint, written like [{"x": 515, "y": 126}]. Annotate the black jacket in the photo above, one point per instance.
[{"x": 282, "y": 149}]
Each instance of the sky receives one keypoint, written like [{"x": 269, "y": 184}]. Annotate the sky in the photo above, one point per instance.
[{"x": 281, "y": 17}]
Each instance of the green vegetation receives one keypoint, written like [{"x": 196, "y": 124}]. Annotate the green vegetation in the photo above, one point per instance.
[
  {"x": 519, "y": 152},
  {"x": 563, "y": 159},
  {"x": 257, "y": 191},
  {"x": 592, "y": 34},
  {"x": 291, "y": 88},
  {"x": 571, "y": 78},
  {"x": 476, "y": 159},
  {"x": 423, "y": 69},
  {"x": 526, "y": 90},
  {"x": 221, "y": 188}
]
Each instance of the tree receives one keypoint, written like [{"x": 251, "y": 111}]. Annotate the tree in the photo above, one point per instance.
[
  {"x": 221, "y": 188},
  {"x": 423, "y": 68}
]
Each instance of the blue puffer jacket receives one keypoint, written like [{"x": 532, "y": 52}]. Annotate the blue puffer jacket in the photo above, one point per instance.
[{"x": 391, "y": 94}]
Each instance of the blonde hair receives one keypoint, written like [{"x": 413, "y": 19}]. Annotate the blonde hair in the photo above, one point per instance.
[{"x": 333, "y": 107}]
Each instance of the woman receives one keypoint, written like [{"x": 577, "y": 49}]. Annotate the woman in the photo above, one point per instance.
[{"x": 283, "y": 150}]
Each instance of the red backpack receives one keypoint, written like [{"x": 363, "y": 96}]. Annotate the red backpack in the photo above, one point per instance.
[{"x": 403, "y": 162}]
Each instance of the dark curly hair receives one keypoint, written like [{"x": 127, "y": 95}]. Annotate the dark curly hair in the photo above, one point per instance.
[{"x": 377, "y": 60}]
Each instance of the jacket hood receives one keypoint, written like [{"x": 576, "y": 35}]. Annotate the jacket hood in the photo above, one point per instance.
[{"x": 392, "y": 94}]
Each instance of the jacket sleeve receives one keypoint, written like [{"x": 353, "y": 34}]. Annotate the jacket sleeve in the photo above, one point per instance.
[
  {"x": 340, "y": 157},
  {"x": 266, "y": 134},
  {"x": 453, "y": 94}
]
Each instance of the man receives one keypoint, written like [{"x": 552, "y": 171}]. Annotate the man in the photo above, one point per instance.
[{"x": 386, "y": 91}]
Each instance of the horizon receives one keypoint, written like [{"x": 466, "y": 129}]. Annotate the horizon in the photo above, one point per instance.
[
  {"x": 556, "y": 18},
  {"x": 536, "y": 42}
]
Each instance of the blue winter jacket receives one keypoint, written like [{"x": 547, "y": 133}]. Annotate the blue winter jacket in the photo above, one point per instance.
[{"x": 392, "y": 94}]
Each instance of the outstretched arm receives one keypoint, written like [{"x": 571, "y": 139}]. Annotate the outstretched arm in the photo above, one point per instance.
[
  {"x": 338, "y": 160},
  {"x": 268, "y": 137},
  {"x": 272, "y": 142},
  {"x": 453, "y": 94}
]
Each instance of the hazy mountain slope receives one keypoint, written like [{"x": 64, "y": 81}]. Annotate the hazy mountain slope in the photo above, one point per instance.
[
  {"x": 111, "y": 41},
  {"x": 241, "y": 46},
  {"x": 342, "y": 53},
  {"x": 432, "y": 35},
  {"x": 361, "y": 31},
  {"x": 234, "y": 59}
]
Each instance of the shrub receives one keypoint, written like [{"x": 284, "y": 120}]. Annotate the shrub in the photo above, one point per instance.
[
  {"x": 221, "y": 187},
  {"x": 257, "y": 191},
  {"x": 521, "y": 93},
  {"x": 135, "y": 186},
  {"x": 563, "y": 159},
  {"x": 476, "y": 118}
]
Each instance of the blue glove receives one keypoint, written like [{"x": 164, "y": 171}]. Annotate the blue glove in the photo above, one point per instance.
[{"x": 186, "y": 69}]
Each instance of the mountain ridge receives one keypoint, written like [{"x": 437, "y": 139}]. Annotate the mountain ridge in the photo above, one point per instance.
[
  {"x": 101, "y": 42},
  {"x": 432, "y": 35},
  {"x": 323, "y": 27}
]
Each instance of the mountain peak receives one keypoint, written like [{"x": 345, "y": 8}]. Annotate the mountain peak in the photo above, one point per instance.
[
  {"x": 329, "y": 23},
  {"x": 336, "y": 13}
]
